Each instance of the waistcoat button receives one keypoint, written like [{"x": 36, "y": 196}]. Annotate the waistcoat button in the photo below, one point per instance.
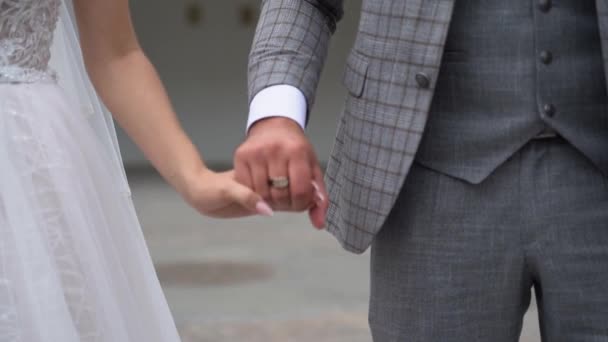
[
  {"x": 544, "y": 5},
  {"x": 549, "y": 110},
  {"x": 546, "y": 57}
]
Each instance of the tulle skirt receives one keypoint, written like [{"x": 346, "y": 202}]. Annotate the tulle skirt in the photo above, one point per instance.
[{"x": 74, "y": 265}]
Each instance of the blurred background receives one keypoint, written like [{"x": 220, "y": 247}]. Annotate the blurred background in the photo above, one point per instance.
[
  {"x": 200, "y": 48},
  {"x": 254, "y": 279}
]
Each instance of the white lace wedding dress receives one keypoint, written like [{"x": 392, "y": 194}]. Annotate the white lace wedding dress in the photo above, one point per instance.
[{"x": 73, "y": 261}]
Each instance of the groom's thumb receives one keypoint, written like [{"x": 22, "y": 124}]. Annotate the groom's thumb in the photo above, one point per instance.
[{"x": 248, "y": 199}]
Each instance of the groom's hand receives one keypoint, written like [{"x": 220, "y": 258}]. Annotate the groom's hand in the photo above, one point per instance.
[{"x": 277, "y": 148}]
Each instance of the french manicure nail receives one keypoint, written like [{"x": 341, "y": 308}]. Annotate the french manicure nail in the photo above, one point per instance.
[
  {"x": 264, "y": 209},
  {"x": 318, "y": 194},
  {"x": 320, "y": 197}
]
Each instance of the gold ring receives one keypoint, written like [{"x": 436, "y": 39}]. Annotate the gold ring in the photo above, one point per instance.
[{"x": 279, "y": 182}]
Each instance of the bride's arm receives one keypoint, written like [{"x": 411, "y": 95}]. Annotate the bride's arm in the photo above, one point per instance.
[{"x": 130, "y": 87}]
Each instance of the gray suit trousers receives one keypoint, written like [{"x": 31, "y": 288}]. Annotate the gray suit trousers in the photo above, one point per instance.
[{"x": 457, "y": 262}]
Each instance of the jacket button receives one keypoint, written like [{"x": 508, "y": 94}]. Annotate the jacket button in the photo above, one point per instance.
[{"x": 423, "y": 80}]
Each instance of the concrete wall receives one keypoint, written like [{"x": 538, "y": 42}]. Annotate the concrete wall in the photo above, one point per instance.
[{"x": 204, "y": 69}]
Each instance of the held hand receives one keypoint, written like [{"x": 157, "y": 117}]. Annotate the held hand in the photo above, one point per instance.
[
  {"x": 277, "y": 149},
  {"x": 220, "y": 195}
]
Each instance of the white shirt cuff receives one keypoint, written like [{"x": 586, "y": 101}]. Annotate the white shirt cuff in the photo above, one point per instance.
[{"x": 279, "y": 100}]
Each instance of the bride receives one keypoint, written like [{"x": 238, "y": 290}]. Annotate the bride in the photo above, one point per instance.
[{"x": 73, "y": 262}]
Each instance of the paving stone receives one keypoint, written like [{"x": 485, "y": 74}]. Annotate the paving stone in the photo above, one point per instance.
[
  {"x": 336, "y": 327},
  {"x": 211, "y": 273}
]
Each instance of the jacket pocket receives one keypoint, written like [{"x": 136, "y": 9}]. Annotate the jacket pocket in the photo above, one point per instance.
[{"x": 355, "y": 73}]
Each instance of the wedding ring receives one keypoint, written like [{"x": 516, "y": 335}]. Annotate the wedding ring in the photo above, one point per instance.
[{"x": 279, "y": 182}]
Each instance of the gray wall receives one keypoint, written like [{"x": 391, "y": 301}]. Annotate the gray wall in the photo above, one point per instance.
[{"x": 204, "y": 69}]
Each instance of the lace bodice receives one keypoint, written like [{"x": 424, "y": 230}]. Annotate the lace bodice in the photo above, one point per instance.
[{"x": 26, "y": 35}]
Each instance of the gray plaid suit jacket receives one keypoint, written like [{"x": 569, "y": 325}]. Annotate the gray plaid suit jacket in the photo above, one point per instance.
[{"x": 390, "y": 75}]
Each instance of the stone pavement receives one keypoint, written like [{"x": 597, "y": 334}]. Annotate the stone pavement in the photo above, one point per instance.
[{"x": 256, "y": 279}]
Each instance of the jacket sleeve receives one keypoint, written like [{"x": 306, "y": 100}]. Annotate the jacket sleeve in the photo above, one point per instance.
[{"x": 291, "y": 43}]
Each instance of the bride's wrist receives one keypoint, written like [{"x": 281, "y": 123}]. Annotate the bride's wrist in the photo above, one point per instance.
[{"x": 190, "y": 180}]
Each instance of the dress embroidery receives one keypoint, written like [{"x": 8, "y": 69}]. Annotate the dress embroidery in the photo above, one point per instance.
[{"x": 26, "y": 36}]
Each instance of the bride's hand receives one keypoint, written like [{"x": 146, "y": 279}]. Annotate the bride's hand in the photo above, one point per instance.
[{"x": 219, "y": 195}]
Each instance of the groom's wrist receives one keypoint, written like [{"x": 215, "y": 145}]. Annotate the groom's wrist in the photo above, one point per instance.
[
  {"x": 278, "y": 101},
  {"x": 275, "y": 124}
]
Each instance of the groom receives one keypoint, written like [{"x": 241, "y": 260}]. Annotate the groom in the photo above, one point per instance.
[{"x": 472, "y": 156}]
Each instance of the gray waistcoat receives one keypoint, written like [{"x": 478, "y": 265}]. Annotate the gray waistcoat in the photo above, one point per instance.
[{"x": 511, "y": 70}]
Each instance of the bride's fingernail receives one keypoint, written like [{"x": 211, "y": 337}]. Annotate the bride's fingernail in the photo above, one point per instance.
[
  {"x": 264, "y": 209},
  {"x": 320, "y": 198}
]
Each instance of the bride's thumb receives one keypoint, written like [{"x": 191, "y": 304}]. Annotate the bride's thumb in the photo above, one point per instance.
[{"x": 251, "y": 200}]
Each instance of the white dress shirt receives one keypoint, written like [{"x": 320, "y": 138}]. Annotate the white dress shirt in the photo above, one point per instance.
[{"x": 279, "y": 100}]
